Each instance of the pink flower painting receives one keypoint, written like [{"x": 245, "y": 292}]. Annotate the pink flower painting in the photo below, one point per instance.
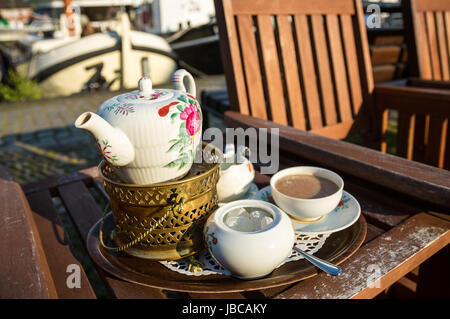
[
  {"x": 188, "y": 111},
  {"x": 192, "y": 118}
]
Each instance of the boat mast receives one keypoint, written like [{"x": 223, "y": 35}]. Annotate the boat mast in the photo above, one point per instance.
[{"x": 128, "y": 79}]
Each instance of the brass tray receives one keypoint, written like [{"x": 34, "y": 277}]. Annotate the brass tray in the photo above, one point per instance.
[{"x": 337, "y": 248}]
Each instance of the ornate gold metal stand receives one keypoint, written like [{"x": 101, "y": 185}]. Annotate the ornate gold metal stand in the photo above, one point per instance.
[{"x": 162, "y": 221}]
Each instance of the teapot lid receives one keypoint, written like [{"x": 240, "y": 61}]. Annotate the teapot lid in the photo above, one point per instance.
[{"x": 146, "y": 93}]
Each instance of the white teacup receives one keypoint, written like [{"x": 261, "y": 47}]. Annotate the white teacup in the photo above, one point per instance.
[{"x": 307, "y": 209}]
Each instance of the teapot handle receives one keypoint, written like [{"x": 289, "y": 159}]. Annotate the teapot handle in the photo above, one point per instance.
[{"x": 178, "y": 82}]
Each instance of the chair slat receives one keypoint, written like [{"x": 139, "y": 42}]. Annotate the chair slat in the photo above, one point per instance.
[
  {"x": 57, "y": 249},
  {"x": 434, "y": 153},
  {"x": 291, "y": 71},
  {"x": 424, "y": 51},
  {"x": 24, "y": 269},
  {"x": 433, "y": 45},
  {"x": 251, "y": 65},
  {"x": 272, "y": 69},
  {"x": 360, "y": 30},
  {"x": 232, "y": 61},
  {"x": 419, "y": 138},
  {"x": 337, "y": 131},
  {"x": 384, "y": 125},
  {"x": 340, "y": 74},
  {"x": 307, "y": 65},
  {"x": 323, "y": 64},
  {"x": 431, "y": 5},
  {"x": 78, "y": 201},
  {"x": 443, "y": 49},
  {"x": 405, "y": 135},
  {"x": 293, "y": 7},
  {"x": 352, "y": 62},
  {"x": 447, "y": 34},
  {"x": 447, "y": 149},
  {"x": 444, "y": 145}
]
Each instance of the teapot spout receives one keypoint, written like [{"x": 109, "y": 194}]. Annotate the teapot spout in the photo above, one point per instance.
[{"x": 112, "y": 143}]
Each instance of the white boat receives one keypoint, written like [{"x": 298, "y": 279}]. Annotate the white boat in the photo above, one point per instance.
[
  {"x": 69, "y": 63},
  {"x": 113, "y": 59}
]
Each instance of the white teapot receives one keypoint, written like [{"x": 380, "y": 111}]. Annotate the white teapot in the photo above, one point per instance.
[
  {"x": 236, "y": 174},
  {"x": 150, "y": 135}
]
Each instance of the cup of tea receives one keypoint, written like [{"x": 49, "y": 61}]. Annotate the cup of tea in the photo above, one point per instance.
[{"x": 306, "y": 193}]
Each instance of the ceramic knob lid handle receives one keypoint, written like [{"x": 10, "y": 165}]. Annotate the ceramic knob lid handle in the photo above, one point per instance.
[{"x": 145, "y": 86}]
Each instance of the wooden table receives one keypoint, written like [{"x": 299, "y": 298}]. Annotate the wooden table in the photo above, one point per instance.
[{"x": 403, "y": 233}]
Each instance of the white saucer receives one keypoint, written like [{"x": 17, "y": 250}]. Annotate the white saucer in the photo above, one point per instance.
[
  {"x": 251, "y": 193},
  {"x": 343, "y": 216}
]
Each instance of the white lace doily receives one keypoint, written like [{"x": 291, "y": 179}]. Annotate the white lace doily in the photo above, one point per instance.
[{"x": 208, "y": 266}]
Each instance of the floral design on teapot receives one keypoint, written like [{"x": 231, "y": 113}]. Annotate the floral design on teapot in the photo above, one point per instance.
[
  {"x": 105, "y": 149},
  {"x": 192, "y": 118},
  {"x": 137, "y": 95},
  {"x": 187, "y": 109},
  {"x": 122, "y": 109}
]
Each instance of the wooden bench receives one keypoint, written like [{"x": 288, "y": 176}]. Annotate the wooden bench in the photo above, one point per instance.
[{"x": 404, "y": 203}]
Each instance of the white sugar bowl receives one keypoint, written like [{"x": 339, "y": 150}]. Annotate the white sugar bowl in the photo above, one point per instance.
[{"x": 250, "y": 238}]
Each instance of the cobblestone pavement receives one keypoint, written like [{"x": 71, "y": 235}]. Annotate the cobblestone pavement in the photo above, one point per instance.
[{"x": 38, "y": 139}]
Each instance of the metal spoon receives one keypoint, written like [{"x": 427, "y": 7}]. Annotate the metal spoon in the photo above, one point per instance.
[{"x": 320, "y": 263}]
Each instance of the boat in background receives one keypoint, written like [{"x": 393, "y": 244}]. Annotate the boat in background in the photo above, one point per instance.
[
  {"x": 112, "y": 59},
  {"x": 93, "y": 47},
  {"x": 199, "y": 48},
  {"x": 190, "y": 28}
]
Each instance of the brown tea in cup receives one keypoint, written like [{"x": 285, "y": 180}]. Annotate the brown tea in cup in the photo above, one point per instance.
[{"x": 306, "y": 186}]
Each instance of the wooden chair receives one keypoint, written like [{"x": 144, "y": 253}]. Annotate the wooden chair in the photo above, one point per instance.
[
  {"x": 427, "y": 30},
  {"x": 307, "y": 65},
  {"x": 296, "y": 73}
]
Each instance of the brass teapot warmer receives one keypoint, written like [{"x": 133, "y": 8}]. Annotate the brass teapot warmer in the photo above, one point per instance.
[{"x": 161, "y": 221}]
